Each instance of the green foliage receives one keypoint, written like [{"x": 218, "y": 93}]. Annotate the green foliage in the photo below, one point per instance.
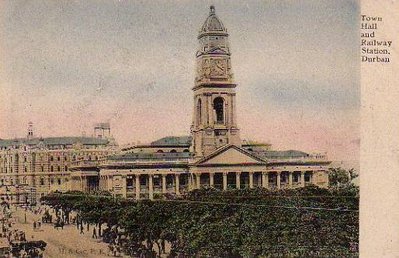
[
  {"x": 339, "y": 176},
  {"x": 304, "y": 222}
]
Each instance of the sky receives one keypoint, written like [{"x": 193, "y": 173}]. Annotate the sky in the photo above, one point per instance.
[{"x": 66, "y": 65}]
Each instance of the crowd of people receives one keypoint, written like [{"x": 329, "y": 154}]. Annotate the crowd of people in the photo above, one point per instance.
[
  {"x": 112, "y": 236},
  {"x": 14, "y": 241}
]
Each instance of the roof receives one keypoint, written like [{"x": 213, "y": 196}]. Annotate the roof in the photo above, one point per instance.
[
  {"x": 226, "y": 147},
  {"x": 212, "y": 25},
  {"x": 150, "y": 156},
  {"x": 54, "y": 141},
  {"x": 281, "y": 154},
  {"x": 173, "y": 141}
]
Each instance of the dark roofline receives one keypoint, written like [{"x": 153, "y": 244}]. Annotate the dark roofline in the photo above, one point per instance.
[
  {"x": 49, "y": 141},
  {"x": 144, "y": 166},
  {"x": 226, "y": 147},
  {"x": 299, "y": 163}
]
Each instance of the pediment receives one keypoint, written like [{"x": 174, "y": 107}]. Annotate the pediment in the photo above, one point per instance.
[
  {"x": 216, "y": 50},
  {"x": 231, "y": 155}
]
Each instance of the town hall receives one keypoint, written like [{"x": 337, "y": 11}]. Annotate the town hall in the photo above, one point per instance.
[{"x": 213, "y": 155}]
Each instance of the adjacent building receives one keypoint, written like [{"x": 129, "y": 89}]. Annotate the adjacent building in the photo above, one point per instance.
[{"x": 31, "y": 167}]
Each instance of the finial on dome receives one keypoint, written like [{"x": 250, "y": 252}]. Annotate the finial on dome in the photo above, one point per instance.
[{"x": 212, "y": 10}]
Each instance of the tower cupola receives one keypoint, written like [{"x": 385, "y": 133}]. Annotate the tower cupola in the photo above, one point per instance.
[
  {"x": 212, "y": 25},
  {"x": 213, "y": 55}
]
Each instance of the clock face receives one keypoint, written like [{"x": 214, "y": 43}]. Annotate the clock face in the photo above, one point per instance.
[{"x": 218, "y": 67}]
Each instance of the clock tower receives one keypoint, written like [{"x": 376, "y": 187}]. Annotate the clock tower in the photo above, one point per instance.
[{"x": 214, "y": 120}]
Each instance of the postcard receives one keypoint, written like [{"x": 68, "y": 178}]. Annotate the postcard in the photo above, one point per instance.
[{"x": 198, "y": 129}]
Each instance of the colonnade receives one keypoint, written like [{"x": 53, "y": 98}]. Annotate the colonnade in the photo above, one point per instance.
[
  {"x": 270, "y": 179},
  {"x": 136, "y": 185},
  {"x": 140, "y": 186}
]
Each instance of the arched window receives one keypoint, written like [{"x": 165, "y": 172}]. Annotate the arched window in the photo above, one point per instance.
[
  {"x": 159, "y": 151},
  {"x": 199, "y": 112},
  {"x": 218, "y": 106},
  {"x": 186, "y": 150},
  {"x": 41, "y": 181},
  {"x": 173, "y": 151}
]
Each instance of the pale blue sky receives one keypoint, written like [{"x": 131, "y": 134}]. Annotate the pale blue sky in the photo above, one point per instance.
[{"x": 68, "y": 64}]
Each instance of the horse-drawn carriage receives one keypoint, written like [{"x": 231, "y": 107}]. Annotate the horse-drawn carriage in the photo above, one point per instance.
[
  {"x": 28, "y": 248},
  {"x": 4, "y": 249}
]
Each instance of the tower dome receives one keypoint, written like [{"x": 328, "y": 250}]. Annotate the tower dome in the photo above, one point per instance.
[{"x": 212, "y": 25}]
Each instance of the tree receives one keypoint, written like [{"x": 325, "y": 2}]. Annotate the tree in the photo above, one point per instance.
[
  {"x": 339, "y": 176},
  {"x": 302, "y": 222}
]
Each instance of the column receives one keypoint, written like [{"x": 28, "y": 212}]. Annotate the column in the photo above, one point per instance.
[
  {"x": 211, "y": 179},
  {"x": 177, "y": 184},
  {"x": 81, "y": 183},
  {"x": 109, "y": 188},
  {"x": 210, "y": 111},
  {"x": 238, "y": 180},
  {"x": 137, "y": 178},
  {"x": 124, "y": 190},
  {"x": 303, "y": 178},
  {"x": 150, "y": 188},
  {"x": 224, "y": 181},
  {"x": 198, "y": 178},
  {"x": 290, "y": 178},
  {"x": 163, "y": 183},
  {"x": 85, "y": 184},
  {"x": 190, "y": 183},
  {"x": 233, "y": 108},
  {"x": 264, "y": 180},
  {"x": 278, "y": 180},
  {"x": 251, "y": 180}
]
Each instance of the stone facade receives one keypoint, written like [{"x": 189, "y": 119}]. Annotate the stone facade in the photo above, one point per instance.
[
  {"x": 214, "y": 155},
  {"x": 32, "y": 167},
  {"x": 214, "y": 120}
]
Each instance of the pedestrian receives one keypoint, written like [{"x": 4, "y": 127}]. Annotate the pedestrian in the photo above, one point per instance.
[
  {"x": 34, "y": 225},
  {"x": 94, "y": 233},
  {"x": 81, "y": 229}
]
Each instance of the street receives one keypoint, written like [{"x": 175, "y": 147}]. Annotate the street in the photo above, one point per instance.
[{"x": 66, "y": 242}]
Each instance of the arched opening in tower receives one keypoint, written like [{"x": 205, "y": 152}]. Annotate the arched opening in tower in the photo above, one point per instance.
[
  {"x": 218, "y": 105},
  {"x": 199, "y": 112}
]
